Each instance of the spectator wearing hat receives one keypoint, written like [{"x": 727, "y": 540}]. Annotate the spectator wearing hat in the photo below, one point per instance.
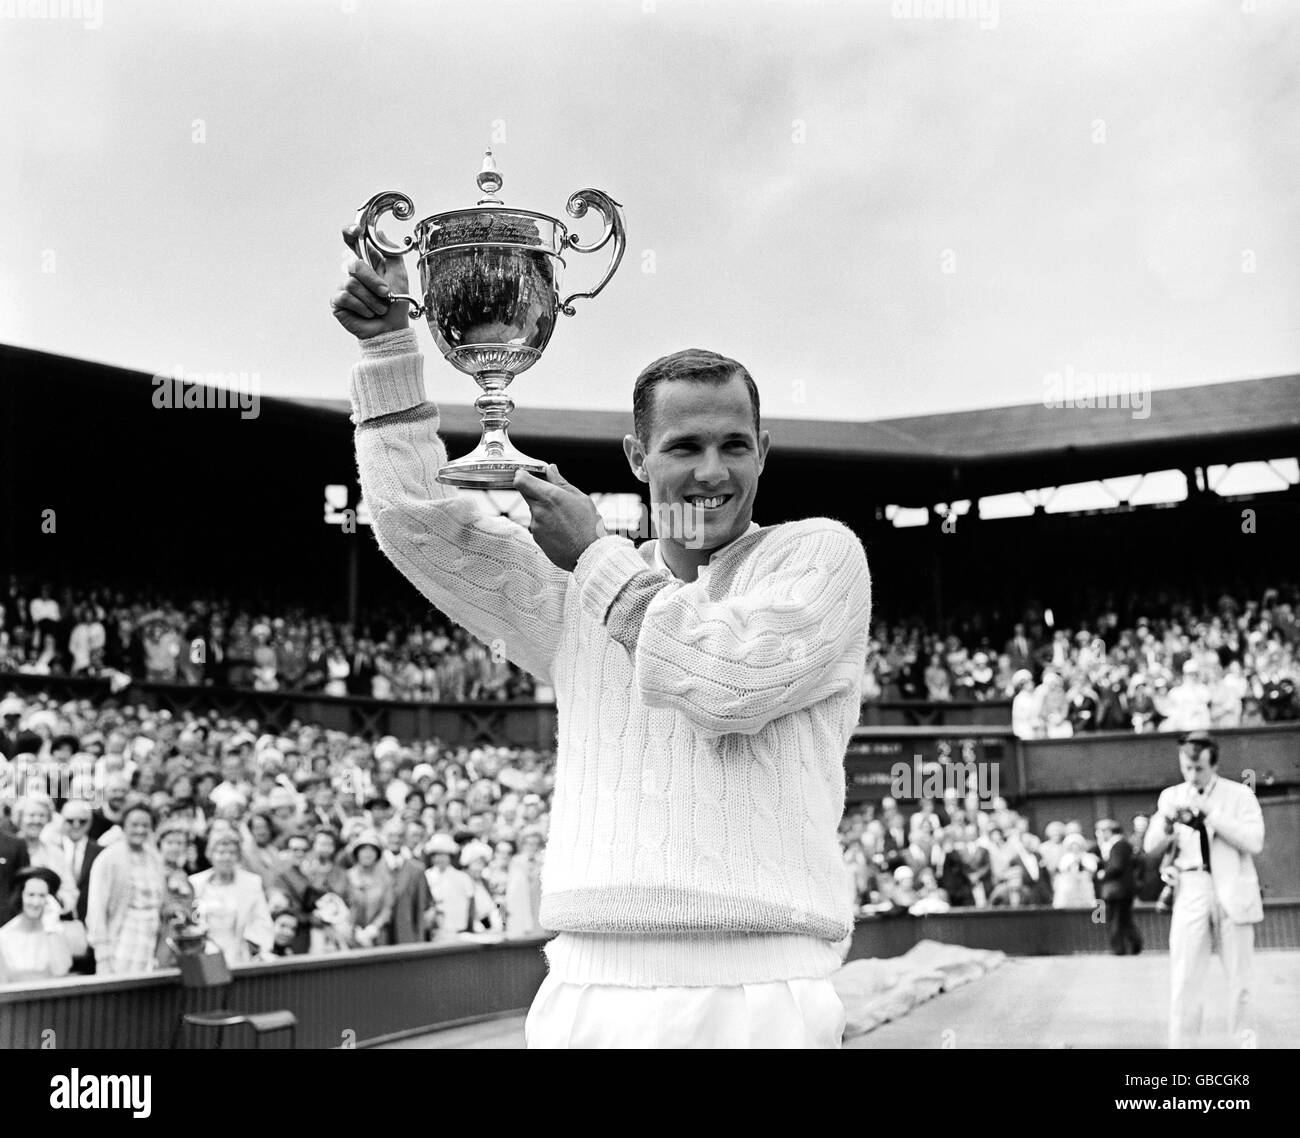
[
  {"x": 124, "y": 907},
  {"x": 484, "y": 915},
  {"x": 173, "y": 839},
  {"x": 1073, "y": 887},
  {"x": 900, "y": 890},
  {"x": 379, "y": 811},
  {"x": 497, "y": 873},
  {"x": 369, "y": 892},
  {"x": 231, "y": 901},
  {"x": 282, "y": 813},
  {"x": 980, "y": 680},
  {"x": 1187, "y": 704},
  {"x": 1025, "y": 720},
  {"x": 234, "y": 786},
  {"x": 411, "y": 897},
  {"x": 32, "y": 945},
  {"x": 451, "y": 888},
  {"x": 16, "y": 740},
  {"x": 524, "y": 885}
]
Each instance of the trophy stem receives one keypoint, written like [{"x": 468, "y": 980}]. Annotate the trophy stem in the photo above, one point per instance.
[{"x": 492, "y": 464}]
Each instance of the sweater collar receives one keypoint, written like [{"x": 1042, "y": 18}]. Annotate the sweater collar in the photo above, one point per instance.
[{"x": 658, "y": 561}]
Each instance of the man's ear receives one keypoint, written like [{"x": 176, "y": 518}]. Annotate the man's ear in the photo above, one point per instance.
[
  {"x": 764, "y": 443},
  {"x": 635, "y": 454}
]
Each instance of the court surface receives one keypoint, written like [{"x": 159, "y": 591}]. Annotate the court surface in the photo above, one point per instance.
[{"x": 1036, "y": 1001}]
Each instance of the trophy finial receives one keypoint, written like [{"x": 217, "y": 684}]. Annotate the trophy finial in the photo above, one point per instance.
[{"x": 489, "y": 180}]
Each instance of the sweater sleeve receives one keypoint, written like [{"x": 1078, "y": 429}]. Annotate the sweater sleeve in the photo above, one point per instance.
[
  {"x": 484, "y": 571},
  {"x": 736, "y": 664}
]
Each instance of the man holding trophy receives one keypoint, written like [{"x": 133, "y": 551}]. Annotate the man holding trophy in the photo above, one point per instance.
[{"x": 707, "y": 681}]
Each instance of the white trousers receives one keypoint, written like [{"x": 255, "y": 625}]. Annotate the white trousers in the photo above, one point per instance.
[
  {"x": 781, "y": 1014},
  {"x": 1196, "y": 915}
]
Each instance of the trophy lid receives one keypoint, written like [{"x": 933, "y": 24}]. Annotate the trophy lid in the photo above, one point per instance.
[
  {"x": 489, "y": 180},
  {"x": 491, "y": 221}
]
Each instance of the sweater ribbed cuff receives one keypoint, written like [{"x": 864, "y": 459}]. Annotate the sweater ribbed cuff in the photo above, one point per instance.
[
  {"x": 604, "y": 568},
  {"x": 389, "y": 377},
  {"x": 695, "y": 961}
]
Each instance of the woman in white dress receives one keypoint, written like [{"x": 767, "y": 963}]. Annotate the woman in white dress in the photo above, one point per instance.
[
  {"x": 32, "y": 945},
  {"x": 232, "y": 903},
  {"x": 1073, "y": 886},
  {"x": 524, "y": 886}
]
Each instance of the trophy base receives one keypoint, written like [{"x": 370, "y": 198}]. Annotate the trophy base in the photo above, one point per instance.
[{"x": 490, "y": 466}]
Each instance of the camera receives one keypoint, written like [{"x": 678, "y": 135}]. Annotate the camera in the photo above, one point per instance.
[{"x": 1189, "y": 817}]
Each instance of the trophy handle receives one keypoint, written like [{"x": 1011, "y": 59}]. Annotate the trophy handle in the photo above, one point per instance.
[
  {"x": 370, "y": 247},
  {"x": 610, "y": 210}
]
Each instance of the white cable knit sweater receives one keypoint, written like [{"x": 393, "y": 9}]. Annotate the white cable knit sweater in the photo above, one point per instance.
[{"x": 702, "y": 726}]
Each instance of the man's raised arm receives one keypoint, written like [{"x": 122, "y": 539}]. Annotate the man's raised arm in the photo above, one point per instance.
[{"x": 484, "y": 571}]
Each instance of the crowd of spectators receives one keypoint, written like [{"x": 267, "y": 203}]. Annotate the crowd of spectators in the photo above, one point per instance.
[
  {"x": 1177, "y": 667},
  {"x": 954, "y": 854},
  {"x": 122, "y": 636},
  {"x": 1182, "y": 668},
  {"x": 135, "y": 833}
]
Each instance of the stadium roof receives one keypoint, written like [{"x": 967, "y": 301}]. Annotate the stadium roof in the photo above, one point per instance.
[
  {"x": 913, "y": 461},
  {"x": 998, "y": 449}
]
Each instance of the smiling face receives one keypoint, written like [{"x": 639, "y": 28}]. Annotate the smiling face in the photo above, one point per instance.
[
  {"x": 173, "y": 846},
  {"x": 35, "y": 894},
  {"x": 137, "y": 826},
  {"x": 36, "y": 816},
  {"x": 702, "y": 458}
]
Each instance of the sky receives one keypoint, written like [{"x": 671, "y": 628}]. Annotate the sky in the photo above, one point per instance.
[{"x": 881, "y": 209}]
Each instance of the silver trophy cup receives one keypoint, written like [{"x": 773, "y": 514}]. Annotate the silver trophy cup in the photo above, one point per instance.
[{"x": 490, "y": 285}]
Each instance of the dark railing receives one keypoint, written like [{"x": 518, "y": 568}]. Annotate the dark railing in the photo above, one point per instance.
[
  {"x": 518, "y": 723},
  {"x": 1121, "y": 760},
  {"x": 340, "y": 999},
  {"x": 360, "y": 998},
  {"x": 923, "y": 713},
  {"x": 1045, "y": 932}
]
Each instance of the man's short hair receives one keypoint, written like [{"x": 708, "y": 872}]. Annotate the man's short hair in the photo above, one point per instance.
[
  {"x": 1200, "y": 741},
  {"x": 694, "y": 364}
]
